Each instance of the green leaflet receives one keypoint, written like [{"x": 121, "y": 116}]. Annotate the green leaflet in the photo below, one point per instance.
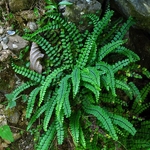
[
  {"x": 105, "y": 50},
  {"x": 60, "y": 131},
  {"x": 12, "y": 97},
  {"x": 122, "y": 85},
  {"x": 34, "y": 76},
  {"x": 37, "y": 115},
  {"x": 62, "y": 95},
  {"x": 75, "y": 76},
  {"x": 74, "y": 126},
  {"x": 128, "y": 53},
  {"x": 123, "y": 30},
  {"x": 48, "y": 81},
  {"x": 5, "y": 133},
  {"x": 109, "y": 77},
  {"x": 47, "y": 138},
  {"x": 92, "y": 76},
  {"x": 31, "y": 101},
  {"x": 136, "y": 94},
  {"x": 49, "y": 110},
  {"x": 123, "y": 123},
  {"x": 102, "y": 116},
  {"x": 66, "y": 104},
  {"x": 82, "y": 138},
  {"x": 93, "y": 89},
  {"x": 120, "y": 64}
]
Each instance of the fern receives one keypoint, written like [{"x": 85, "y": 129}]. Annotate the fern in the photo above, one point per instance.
[
  {"x": 105, "y": 50},
  {"x": 74, "y": 126},
  {"x": 61, "y": 95},
  {"x": 92, "y": 76},
  {"x": 48, "y": 81},
  {"x": 31, "y": 101},
  {"x": 66, "y": 104},
  {"x": 123, "y": 123},
  {"x": 47, "y": 138},
  {"x": 75, "y": 80},
  {"x": 49, "y": 110},
  {"x": 36, "y": 77},
  {"x": 14, "y": 95},
  {"x": 86, "y": 85},
  {"x": 60, "y": 131},
  {"x": 100, "y": 114},
  {"x": 109, "y": 77}
]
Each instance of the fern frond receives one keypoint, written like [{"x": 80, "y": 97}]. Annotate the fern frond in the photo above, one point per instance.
[
  {"x": 93, "y": 89},
  {"x": 34, "y": 76},
  {"x": 82, "y": 138},
  {"x": 12, "y": 97},
  {"x": 47, "y": 138},
  {"x": 128, "y": 53},
  {"x": 102, "y": 24},
  {"x": 31, "y": 101},
  {"x": 60, "y": 131},
  {"x": 146, "y": 72},
  {"x": 123, "y": 30},
  {"x": 122, "y": 85},
  {"x": 92, "y": 76},
  {"x": 105, "y": 50},
  {"x": 36, "y": 115},
  {"x": 74, "y": 126},
  {"x": 109, "y": 77},
  {"x": 66, "y": 104},
  {"x": 49, "y": 110},
  {"x": 136, "y": 94},
  {"x": 102, "y": 116},
  {"x": 61, "y": 95},
  {"x": 75, "y": 76},
  {"x": 48, "y": 81},
  {"x": 93, "y": 18},
  {"x": 123, "y": 123},
  {"x": 120, "y": 64},
  {"x": 144, "y": 92},
  {"x": 85, "y": 51}
]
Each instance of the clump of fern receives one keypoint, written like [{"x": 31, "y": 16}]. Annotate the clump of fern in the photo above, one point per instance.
[{"x": 81, "y": 89}]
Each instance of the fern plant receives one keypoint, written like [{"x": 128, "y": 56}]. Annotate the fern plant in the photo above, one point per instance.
[{"x": 80, "y": 91}]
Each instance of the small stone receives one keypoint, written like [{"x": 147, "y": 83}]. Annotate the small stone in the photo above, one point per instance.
[
  {"x": 4, "y": 45},
  {"x": 32, "y": 26},
  {"x": 1, "y": 30},
  {"x": 14, "y": 117},
  {"x": 19, "y": 41},
  {"x": 1, "y": 47},
  {"x": 5, "y": 39},
  {"x": 10, "y": 32},
  {"x": 14, "y": 46}
]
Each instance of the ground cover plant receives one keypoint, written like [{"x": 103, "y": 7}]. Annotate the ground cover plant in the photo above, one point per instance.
[{"x": 85, "y": 91}]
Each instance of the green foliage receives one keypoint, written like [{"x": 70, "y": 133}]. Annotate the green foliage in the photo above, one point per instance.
[
  {"x": 5, "y": 133},
  {"x": 80, "y": 93}
]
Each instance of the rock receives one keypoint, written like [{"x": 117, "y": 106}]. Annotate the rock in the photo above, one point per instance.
[
  {"x": 5, "y": 46},
  {"x": 11, "y": 32},
  {"x": 1, "y": 30},
  {"x": 5, "y": 39},
  {"x": 4, "y": 54},
  {"x": 19, "y": 5},
  {"x": 16, "y": 42},
  {"x": 1, "y": 47},
  {"x": 80, "y": 7},
  {"x": 3, "y": 119},
  {"x": 2, "y": 2},
  {"x": 14, "y": 117},
  {"x": 139, "y": 9},
  {"x": 140, "y": 44},
  {"x": 32, "y": 25}
]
